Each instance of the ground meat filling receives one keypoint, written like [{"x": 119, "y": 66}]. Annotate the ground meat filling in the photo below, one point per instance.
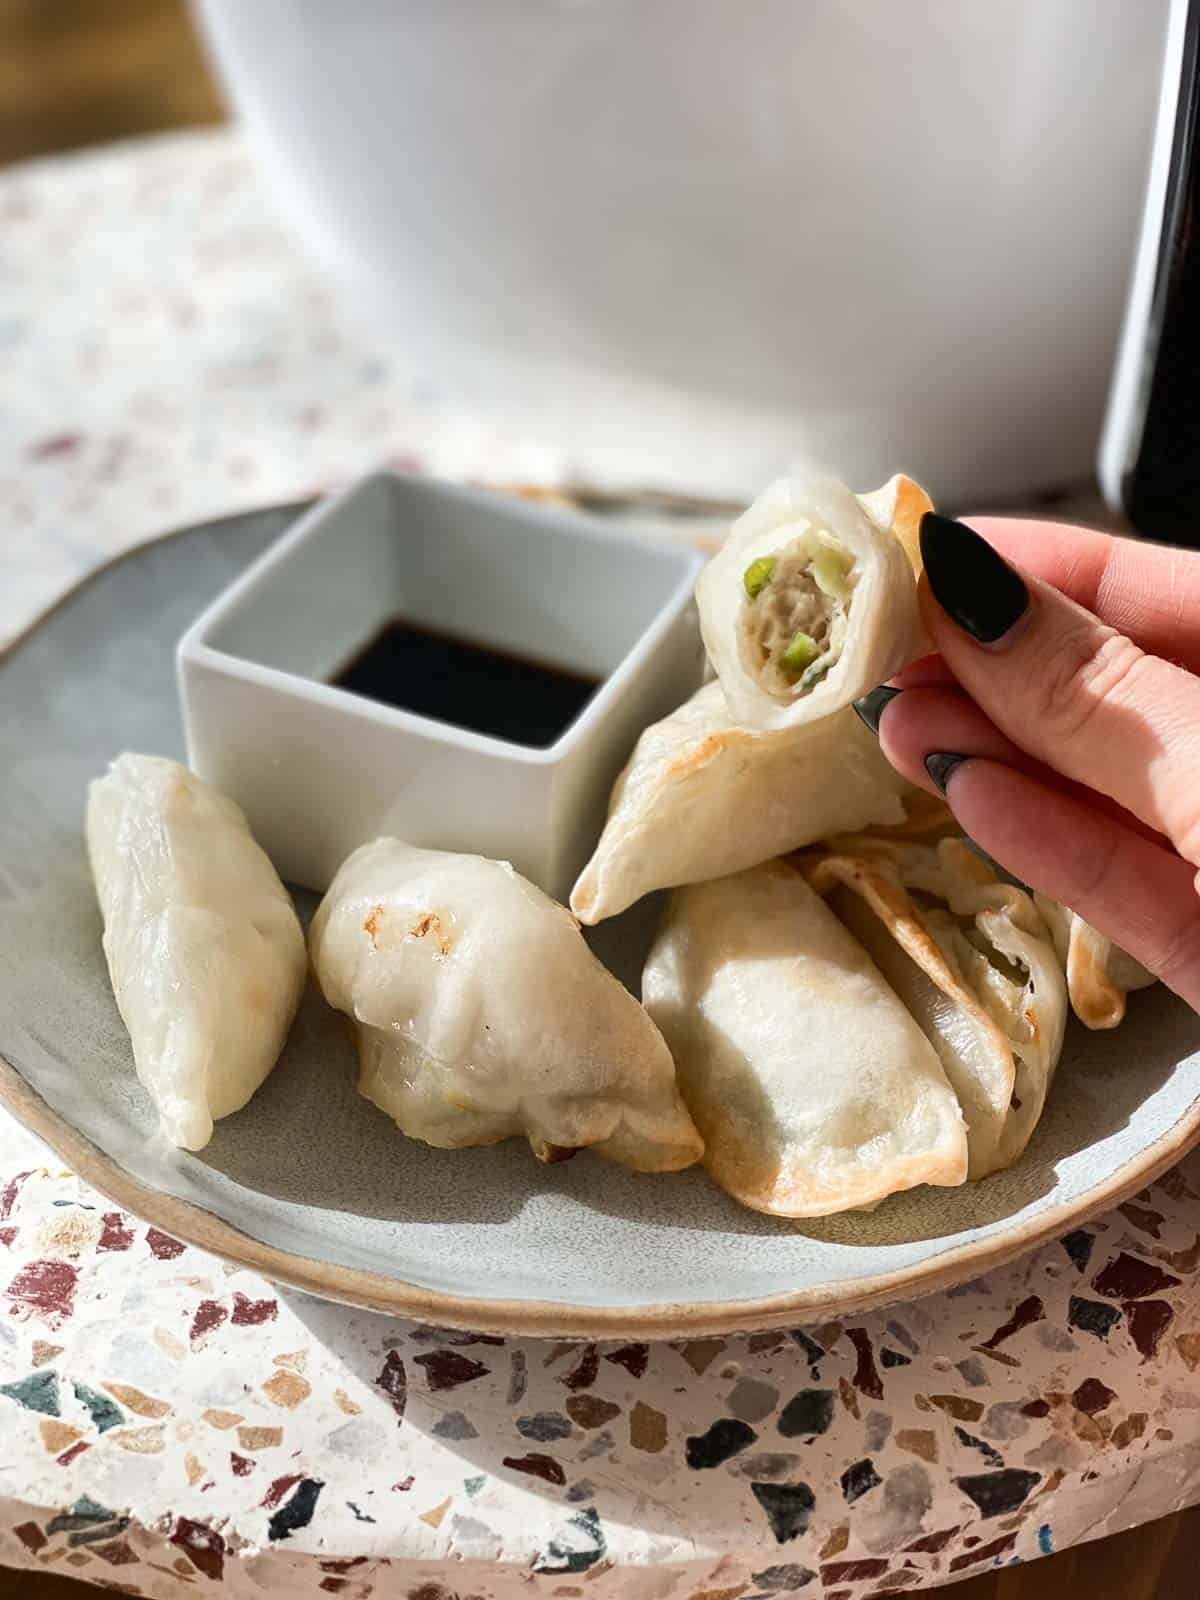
[{"x": 793, "y": 619}]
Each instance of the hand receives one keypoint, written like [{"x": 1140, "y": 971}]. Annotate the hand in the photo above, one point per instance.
[{"x": 1061, "y": 719}]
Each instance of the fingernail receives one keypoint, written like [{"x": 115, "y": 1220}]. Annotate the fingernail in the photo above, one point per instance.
[
  {"x": 870, "y": 707},
  {"x": 974, "y": 586},
  {"x": 940, "y": 764}
]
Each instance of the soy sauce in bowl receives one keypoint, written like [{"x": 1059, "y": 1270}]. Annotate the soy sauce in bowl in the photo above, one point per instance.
[{"x": 472, "y": 685}]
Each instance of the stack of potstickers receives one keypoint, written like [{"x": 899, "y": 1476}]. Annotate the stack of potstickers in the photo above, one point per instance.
[
  {"x": 855, "y": 1001},
  {"x": 824, "y": 1023}
]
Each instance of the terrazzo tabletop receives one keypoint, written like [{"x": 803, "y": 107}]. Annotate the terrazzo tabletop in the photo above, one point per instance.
[{"x": 169, "y": 1423}]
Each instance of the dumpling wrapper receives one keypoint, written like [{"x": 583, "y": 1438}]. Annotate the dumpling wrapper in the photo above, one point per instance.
[
  {"x": 702, "y": 797},
  {"x": 1099, "y": 973},
  {"x": 814, "y": 1089},
  {"x": 973, "y": 962},
  {"x": 812, "y": 599},
  {"x": 480, "y": 1014},
  {"x": 204, "y": 948}
]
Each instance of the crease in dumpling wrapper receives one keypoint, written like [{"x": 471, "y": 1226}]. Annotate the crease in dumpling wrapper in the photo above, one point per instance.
[
  {"x": 998, "y": 1034},
  {"x": 899, "y": 506},
  {"x": 701, "y": 797},
  {"x": 1099, "y": 973}
]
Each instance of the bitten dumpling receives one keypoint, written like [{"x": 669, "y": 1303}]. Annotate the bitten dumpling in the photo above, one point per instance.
[
  {"x": 204, "y": 948},
  {"x": 480, "y": 1013},
  {"x": 702, "y": 797},
  {"x": 813, "y": 1088},
  {"x": 812, "y": 599}
]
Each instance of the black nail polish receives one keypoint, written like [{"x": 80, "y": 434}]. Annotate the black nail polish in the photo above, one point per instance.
[
  {"x": 974, "y": 586},
  {"x": 940, "y": 764},
  {"x": 870, "y": 706}
]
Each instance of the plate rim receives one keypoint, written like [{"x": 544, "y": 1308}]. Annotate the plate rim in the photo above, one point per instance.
[{"x": 372, "y": 1291}]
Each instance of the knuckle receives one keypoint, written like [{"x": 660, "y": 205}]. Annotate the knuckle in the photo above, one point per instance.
[
  {"x": 1077, "y": 676},
  {"x": 1187, "y": 831},
  {"x": 1176, "y": 787},
  {"x": 1179, "y": 958}
]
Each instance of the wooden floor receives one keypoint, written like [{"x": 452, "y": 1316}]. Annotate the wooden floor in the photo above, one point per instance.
[
  {"x": 76, "y": 72},
  {"x": 1157, "y": 1562}
]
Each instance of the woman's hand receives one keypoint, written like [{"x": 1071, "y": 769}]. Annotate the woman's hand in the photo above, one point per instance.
[{"x": 1061, "y": 719}]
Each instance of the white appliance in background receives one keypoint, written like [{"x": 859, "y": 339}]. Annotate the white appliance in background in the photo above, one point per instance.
[{"x": 693, "y": 242}]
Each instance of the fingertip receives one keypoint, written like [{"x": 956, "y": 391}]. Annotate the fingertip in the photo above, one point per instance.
[
  {"x": 903, "y": 739},
  {"x": 1138, "y": 894},
  {"x": 941, "y": 765},
  {"x": 870, "y": 707},
  {"x": 937, "y": 720},
  {"x": 929, "y": 672},
  {"x": 969, "y": 584}
]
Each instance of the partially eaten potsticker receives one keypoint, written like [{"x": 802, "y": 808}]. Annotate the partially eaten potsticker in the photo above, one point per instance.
[{"x": 812, "y": 599}]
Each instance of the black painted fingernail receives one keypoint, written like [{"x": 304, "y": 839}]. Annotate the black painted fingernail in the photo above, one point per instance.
[
  {"x": 870, "y": 707},
  {"x": 939, "y": 764},
  {"x": 974, "y": 586}
]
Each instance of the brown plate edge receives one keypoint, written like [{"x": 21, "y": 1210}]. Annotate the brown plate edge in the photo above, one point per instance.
[{"x": 537, "y": 1319}]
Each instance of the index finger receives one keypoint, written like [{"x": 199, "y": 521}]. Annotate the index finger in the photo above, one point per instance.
[
  {"x": 1064, "y": 686},
  {"x": 1148, "y": 592}
]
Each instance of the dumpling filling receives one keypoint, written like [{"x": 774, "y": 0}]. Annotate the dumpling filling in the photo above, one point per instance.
[{"x": 794, "y": 614}]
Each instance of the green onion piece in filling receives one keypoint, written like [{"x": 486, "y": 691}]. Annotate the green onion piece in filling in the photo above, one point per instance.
[
  {"x": 758, "y": 575},
  {"x": 831, "y": 571},
  {"x": 801, "y": 653}
]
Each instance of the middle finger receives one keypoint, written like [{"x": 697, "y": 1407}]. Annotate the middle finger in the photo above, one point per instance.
[{"x": 925, "y": 720}]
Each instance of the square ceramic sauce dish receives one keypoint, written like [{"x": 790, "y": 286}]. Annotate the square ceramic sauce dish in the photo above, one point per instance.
[{"x": 462, "y": 669}]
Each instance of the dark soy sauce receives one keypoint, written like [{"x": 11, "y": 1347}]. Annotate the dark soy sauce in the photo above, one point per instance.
[{"x": 470, "y": 685}]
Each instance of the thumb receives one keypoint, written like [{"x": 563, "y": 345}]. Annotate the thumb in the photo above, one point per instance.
[{"x": 1062, "y": 685}]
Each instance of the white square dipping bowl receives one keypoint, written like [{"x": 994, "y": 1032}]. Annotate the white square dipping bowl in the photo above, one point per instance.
[{"x": 319, "y": 770}]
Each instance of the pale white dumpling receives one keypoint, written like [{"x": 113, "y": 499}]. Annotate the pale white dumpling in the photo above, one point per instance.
[
  {"x": 702, "y": 797},
  {"x": 204, "y": 947},
  {"x": 813, "y": 1088},
  {"x": 812, "y": 599},
  {"x": 481, "y": 1014}
]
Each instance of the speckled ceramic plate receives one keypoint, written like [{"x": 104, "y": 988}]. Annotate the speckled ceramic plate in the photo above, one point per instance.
[{"x": 312, "y": 1186}]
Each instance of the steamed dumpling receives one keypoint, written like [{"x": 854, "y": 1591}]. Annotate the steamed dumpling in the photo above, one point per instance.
[
  {"x": 204, "y": 948},
  {"x": 702, "y": 797},
  {"x": 814, "y": 1089},
  {"x": 973, "y": 961},
  {"x": 480, "y": 1013},
  {"x": 812, "y": 600}
]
